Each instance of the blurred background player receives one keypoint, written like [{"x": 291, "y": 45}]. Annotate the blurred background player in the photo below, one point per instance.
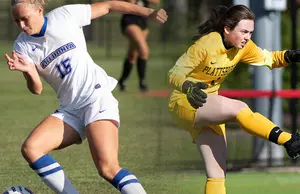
[
  {"x": 54, "y": 47},
  {"x": 135, "y": 29},
  {"x": 223, "y": 41}
]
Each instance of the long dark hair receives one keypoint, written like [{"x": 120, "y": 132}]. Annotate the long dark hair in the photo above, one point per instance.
[{"x": 222, "y": 16}]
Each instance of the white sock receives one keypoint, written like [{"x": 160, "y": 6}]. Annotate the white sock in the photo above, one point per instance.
[
  {"x": 53, "y": 175},
  {"x": 127, "y": 183}
]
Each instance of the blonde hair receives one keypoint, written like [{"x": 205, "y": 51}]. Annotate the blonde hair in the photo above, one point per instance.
[{"x": 33, "y": 2}]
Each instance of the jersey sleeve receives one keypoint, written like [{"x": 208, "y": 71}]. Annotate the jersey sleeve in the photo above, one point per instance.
[
  {"x": 185, "y": 65},
  {"x": 20, "y": 48},
  {"x": 80, "y": 13},
  {"x": 254, "y": 55}
]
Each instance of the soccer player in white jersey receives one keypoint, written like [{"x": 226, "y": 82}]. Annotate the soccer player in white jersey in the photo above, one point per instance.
[{"x": 54, "y": 47}]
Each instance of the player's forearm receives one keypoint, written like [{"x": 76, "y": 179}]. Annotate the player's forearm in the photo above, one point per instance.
[
  {"x": 99, "y": 9},
  {"x": 34, "y": 83},
  {"x": 129, "y": 8}
]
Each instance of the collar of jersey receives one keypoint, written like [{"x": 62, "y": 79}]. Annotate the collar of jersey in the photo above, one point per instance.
[{"x": 43, "y": 30}]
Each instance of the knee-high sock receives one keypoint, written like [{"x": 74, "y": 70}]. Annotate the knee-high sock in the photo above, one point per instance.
[
  {"x": 127, "y": 183},
  {"x": 215, "y": 186},
  {"x": 52, "y": 175},
  {"x": 258, "y": 125},
  {"x": 127, "y": 67},
  {"x": 141, "y": 67}
]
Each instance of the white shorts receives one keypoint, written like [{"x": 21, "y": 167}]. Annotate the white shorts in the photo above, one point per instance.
[{"x": 104, "y": 108}]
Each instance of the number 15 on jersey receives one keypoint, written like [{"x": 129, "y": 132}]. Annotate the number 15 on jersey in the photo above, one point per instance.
[{"x": 64, "y": 68}]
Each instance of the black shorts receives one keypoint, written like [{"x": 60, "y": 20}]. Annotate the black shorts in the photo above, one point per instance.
[{"x": 128, "y": 19}]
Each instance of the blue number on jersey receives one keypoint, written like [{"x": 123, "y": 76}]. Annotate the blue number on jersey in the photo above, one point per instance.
[{"x": 64, "y": 68}]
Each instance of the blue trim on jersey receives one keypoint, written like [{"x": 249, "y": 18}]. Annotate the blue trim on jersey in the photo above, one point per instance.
[
  {"x": 50, "y": 171},
  {"x": 119, "y": 176},
  {"x": 121, "y": 185},
  {"x": 43, "y": 30},
  {"x": 42, "y": 162}
]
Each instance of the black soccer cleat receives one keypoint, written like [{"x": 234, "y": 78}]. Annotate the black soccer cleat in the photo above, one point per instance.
[
  {"x": 122, "y": 86},
  {"x": 293, "y": 146},
  {"x": 143, "y": 87}
]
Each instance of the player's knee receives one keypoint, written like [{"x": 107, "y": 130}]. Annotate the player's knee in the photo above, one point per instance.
[
  {"x": 28, "y": 150},
  {"x": 132, "y": 60},
  {"x": 108, "y": 170},
  {"x": 237, "y": 107},
  {"x": 216, "y": 171},
  {"x": 132, "y": 57},
  {"x": 144, "y": 53},
  {"x": 217, "y": 174}
]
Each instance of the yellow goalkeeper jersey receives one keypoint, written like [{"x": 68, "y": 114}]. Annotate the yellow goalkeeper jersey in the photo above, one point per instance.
[{"x": 208, "y": 61}]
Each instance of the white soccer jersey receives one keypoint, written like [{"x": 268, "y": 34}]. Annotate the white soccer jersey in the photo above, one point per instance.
[{"x": 61, "y": 57}]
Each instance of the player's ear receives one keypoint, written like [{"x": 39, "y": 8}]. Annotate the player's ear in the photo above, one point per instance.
[
  {"x": 41, "y": 10},
  {"x": 226, "y": 30}
]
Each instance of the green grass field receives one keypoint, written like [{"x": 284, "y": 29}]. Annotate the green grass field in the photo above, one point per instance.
[{"x": 161, "y": 155}]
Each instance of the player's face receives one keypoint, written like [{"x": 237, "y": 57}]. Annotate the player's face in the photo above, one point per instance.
[
  {"x": 240, "y": 35},
  {"x": 28, "y": 18}
]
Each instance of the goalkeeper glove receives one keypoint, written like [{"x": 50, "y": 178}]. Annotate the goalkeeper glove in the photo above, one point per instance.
[
  {"x": 194, "y": 93},
  {"x": 292, "y": 56}
]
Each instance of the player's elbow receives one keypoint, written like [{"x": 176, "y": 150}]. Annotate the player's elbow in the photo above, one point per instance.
[
  {"x": 36, "y": 91},
  {"x": 171, "y": 81},
  {"x": 100, "y": 9}
]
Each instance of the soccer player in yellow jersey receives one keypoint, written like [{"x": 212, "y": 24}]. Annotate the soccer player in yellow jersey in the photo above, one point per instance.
[{"x": 223, "y": 41}]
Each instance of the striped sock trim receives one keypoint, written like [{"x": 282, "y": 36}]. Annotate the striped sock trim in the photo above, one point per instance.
[
  {"x": 45, "y": 165},
  {"x": 123, "y": 178},
  {"x": 121, "y": 185},
  {"x": 52, "y": 171}
]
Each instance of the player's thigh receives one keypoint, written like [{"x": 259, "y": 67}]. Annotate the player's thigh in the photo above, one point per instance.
[
  {"x": 146, "y": 33},
  {"x": 102, "y": 120},
  {"x": 52, "y": 133},
  {"x": 217, "y": 110},
  {"x": 102, "y": 136},
  {"x": 212, "y": 147},
  {"x": 103, "y": 140},
  {"x": 136, "y": 35}
]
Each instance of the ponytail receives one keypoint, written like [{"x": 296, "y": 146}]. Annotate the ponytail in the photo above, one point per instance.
[{"x": 214, "y": 23}]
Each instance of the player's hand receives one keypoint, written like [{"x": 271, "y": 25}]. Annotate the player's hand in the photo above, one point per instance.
[
  {"x": 159, "y": 15},
  {"x": 194, "y": 93},
  {"x": 18, "y": 62},
  {"x": 292, "y": 56}
]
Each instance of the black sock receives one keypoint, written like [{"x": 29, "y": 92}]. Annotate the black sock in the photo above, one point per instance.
[
  {"x": 127, "y": 67},
  {"x": 141, "y": 67}
]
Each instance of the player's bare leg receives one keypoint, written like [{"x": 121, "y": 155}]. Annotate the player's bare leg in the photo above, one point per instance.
[
  {"x": 103, "y": 140},
  {"x": 138, "y": 37},
  {"x": 220, "y": 109},
  {"x": 213, "y": 149},
  {"x": 131, "y": 59},
  {"x": 52, "y": 133}
]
